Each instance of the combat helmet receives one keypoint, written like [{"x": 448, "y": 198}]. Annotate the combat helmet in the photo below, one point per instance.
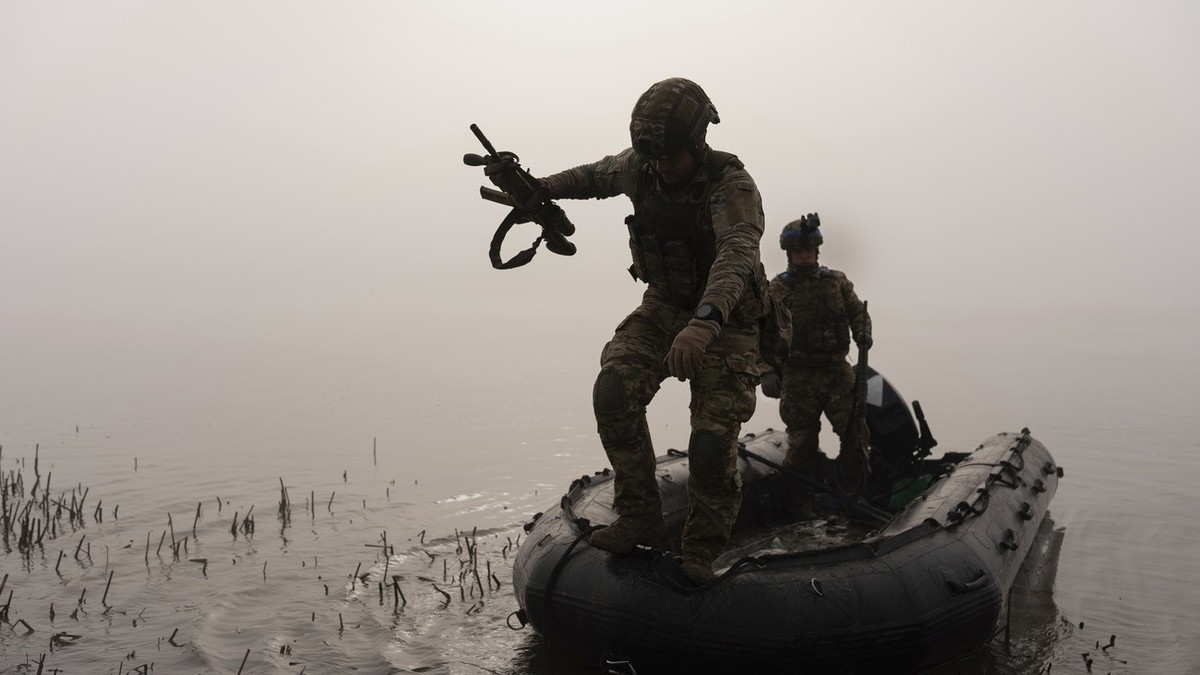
[
  {"x": 670, "y": 117},
  {"x": 803, "y": 233}
]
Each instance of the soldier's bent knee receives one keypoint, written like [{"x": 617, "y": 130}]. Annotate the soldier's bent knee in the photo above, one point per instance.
[
  {"x": 705, "y": 453},
  {"x": 608, "y": 396}
]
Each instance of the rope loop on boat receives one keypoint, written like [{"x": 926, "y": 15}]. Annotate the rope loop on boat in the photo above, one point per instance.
[
  {"x": 532, "y": 521},
  {"x": 1009, "y": 475},
  {"x": 1016, "y": 455},
  {"x": 1002, "y": 480},
  {"x": 963, "y": 509},
  {"x": 521, "y": 616}
]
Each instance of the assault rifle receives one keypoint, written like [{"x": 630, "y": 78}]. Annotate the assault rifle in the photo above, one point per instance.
[
  {"x": 519, "y": 190},
  {"x": 858, "y": 411}
]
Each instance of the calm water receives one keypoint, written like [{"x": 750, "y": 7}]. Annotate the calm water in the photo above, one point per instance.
[{"x": 443, "y": 449}]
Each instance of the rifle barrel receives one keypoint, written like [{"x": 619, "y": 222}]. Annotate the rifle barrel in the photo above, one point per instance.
[{"x": 487, "y": 145}]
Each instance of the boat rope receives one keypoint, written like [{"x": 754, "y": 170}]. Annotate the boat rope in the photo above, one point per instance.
[
  {"x": 966, "y": 464},
  {"x": 963, "y": 509},
  {"x": 1008, "y": 476},
  {"x": 585, "y": 531}
]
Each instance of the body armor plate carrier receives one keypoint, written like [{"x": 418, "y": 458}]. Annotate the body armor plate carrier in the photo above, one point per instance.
[{"x": 672, "y": 243}]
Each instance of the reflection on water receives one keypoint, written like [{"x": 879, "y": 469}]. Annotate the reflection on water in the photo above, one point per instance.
[{"x": 1031, "y": 621}]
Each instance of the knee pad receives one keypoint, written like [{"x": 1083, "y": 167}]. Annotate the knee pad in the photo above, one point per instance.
[
  {"x": 705, "y": 453},
  {"x": 608, "y": 395}
]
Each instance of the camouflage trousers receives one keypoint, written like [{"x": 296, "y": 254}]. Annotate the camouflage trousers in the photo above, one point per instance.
[
  {"x": 808, "y": 391},
  {"x": 632, "y": 370}
]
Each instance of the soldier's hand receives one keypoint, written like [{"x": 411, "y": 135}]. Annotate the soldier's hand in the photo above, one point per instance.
[
  {"x": 863, "y": 340},
  {"x": 687, "y": 351},
  {"x": 771, "y": 384},
  {"x": 505, "y": 173},
  {"x": 501, "y": 164}
]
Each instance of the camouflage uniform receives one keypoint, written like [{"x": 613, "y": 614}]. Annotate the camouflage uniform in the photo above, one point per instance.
[
  {"x": 817, "y": 378},
  {"x": 722, "y": 225}
]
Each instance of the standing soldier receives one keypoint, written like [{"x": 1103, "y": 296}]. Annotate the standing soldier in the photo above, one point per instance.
[
  {"x": 818, "y": 378},
  {"x": 694, "y": 235}
]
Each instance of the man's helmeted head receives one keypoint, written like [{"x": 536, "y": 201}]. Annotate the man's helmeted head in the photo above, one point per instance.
[
  {"x": 804, "y": 233},
  {"x": 672, "y": 116}
]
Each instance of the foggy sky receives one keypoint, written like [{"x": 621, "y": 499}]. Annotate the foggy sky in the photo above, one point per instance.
[{"x": 177, "y": 175}]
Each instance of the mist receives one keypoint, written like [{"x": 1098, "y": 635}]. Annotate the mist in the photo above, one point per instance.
[{"x": 199, "y": 200}]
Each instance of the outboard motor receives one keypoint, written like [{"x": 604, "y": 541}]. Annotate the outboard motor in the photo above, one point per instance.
[{"x": 898, "y": 441}]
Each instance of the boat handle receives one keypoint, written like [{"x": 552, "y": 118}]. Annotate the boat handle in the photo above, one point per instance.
[
  {"x": 613, "y": 666},
  {"x": 1038, "y": 486},
  {"x": 532, "y": 522},
  {"x": 1026, "y": 511},
  {"x": 972, "y": 585},
  {"x": 521, "y": 616},
  {"x": 1009, "y": 543}
]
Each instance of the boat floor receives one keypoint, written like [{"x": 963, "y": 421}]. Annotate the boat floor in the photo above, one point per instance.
[{"x": 827, "y": 530}]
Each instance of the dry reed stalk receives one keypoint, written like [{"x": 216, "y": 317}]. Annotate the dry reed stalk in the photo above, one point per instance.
[{"x": 104, "y": 598}]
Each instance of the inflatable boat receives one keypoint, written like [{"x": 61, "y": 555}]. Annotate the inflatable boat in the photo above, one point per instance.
[{"x": 913, "y": 577}]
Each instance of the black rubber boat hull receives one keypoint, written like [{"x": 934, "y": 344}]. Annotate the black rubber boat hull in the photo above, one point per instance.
[{"x": 923, "y": 591}]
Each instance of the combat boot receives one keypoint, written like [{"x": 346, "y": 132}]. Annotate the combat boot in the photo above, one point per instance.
[
  {"x": 850, "y": 471},
  {"x": 798, "y": 491},
  {"x": 629, "y": 531},
  {"x": 798, "y": 504},
  {"x": 697, "y": 571}
]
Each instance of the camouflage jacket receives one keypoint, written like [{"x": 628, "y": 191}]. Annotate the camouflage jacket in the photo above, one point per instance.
[
  {"x": 825, "y": 312},
  {"x": 736, "y": 282}
]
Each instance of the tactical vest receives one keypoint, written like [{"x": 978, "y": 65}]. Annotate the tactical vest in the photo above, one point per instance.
[
  {"x": 672, "y": 243},
  {"x": 820, "y": 322}
]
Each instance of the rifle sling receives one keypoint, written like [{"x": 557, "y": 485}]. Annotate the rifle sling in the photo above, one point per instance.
[{"x": 514, "y": 216}]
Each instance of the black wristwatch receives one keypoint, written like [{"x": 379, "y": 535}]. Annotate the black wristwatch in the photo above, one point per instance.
[{"x": 709, "y": 313}]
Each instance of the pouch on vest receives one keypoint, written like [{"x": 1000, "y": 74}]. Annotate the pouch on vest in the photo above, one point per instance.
[{"x": 680, "y": 268}]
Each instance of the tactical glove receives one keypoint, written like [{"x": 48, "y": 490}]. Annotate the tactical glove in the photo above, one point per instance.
[
  {"x": 506, "y": 173},
  {"x": 771, "y": 384},
  {"x": 687, "y": 351},
  {"x": 863, "y": 340}
]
